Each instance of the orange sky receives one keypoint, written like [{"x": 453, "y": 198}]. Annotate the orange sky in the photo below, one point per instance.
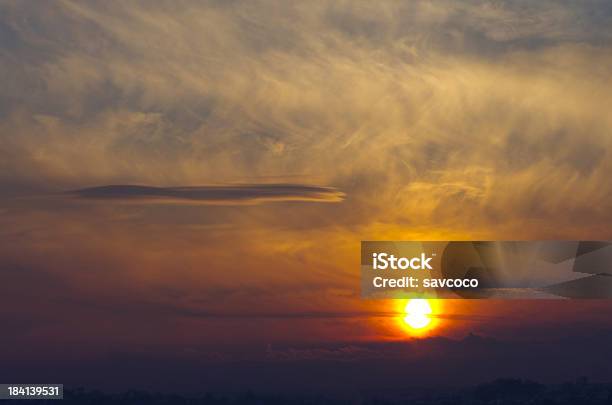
[{"x": 391, "y": 121}]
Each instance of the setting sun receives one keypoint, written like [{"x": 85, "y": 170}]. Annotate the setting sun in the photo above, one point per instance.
[
  {"x": 417, "y": 313},
  {"x": 417, "y": 316}
]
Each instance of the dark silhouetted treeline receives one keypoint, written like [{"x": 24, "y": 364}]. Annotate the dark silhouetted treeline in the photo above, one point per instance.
[{"x": 498, "y": 392}]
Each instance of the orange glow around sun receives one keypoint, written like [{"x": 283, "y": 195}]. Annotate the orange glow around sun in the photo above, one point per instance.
[{"x": 418, "y": 316}]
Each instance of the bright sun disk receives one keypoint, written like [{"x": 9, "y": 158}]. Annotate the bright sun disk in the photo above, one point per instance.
[{"x": 418, "y": 313}]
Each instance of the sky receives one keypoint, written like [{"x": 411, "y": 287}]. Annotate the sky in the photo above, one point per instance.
[{"x": 268, "y": 138}]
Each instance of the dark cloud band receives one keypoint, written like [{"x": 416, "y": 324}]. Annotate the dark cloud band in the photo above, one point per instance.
[{"x": 222, "y": 194}]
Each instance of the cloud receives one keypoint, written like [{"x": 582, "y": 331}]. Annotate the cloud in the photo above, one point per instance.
[
  {"x": 203, "y": 314},
  {"x": 461, "y": 120},
  {"x": 227, "y": 195},
  {"x": 436, "y": 109}
]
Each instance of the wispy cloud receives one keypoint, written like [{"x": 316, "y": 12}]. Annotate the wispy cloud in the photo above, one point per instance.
[
  {"x": 446, "y": 119},
  {"x": 227, "y": 194},
  {"x": 461, "y": 102}
]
